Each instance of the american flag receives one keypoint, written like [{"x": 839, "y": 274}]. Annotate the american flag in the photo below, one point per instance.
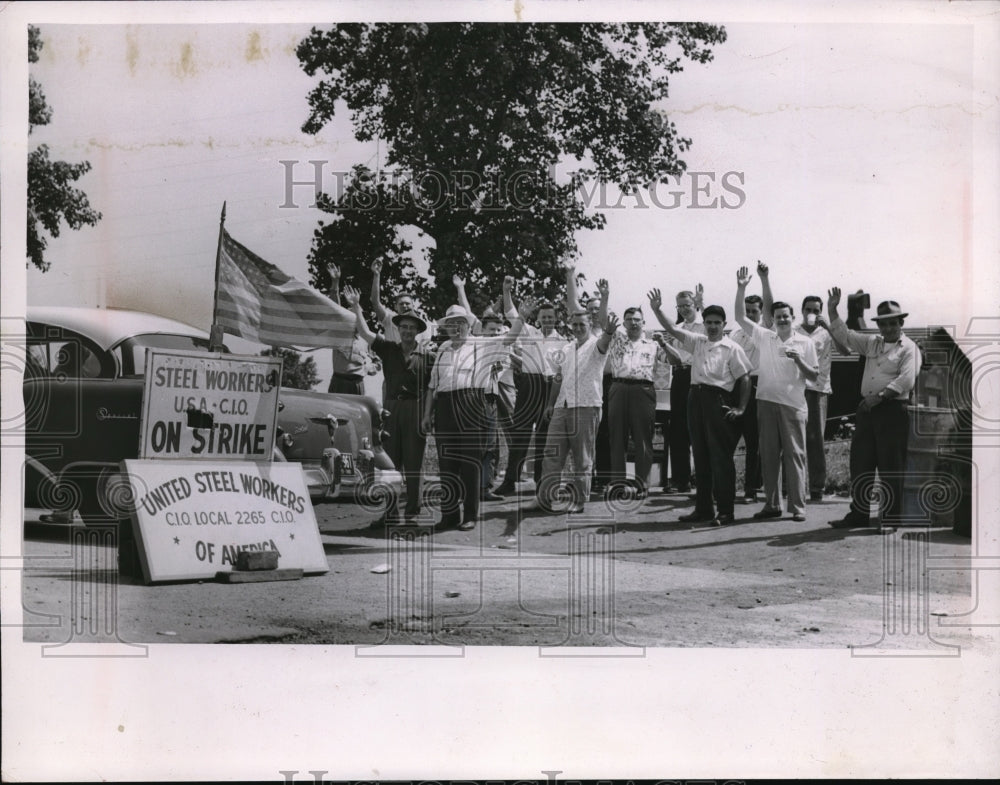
[{"x": 257, "y": 301}]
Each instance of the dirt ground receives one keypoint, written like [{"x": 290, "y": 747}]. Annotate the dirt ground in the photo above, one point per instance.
[{"x": 623, "y": 575}]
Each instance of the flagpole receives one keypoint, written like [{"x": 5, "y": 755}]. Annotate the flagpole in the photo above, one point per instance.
[{"x": 215, "y": 339}]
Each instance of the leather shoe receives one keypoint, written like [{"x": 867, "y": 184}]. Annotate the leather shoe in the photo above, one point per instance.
[
  {"x": 491, "y": 496},
  {"x": 696, "y": 517},
  {"x": 503, "y": 489},
  {"x": 851, "y": 521},
  {"x": 798, "y": 517},
  {"x": 447, "y": 522},
  {"x": 466, "y": 526},
  {"x": 575, "y": 510},
  {"x": 766, "y": 513},
  {"x": 723, "y": 519}
]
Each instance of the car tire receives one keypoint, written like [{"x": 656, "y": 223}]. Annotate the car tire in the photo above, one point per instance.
[{"x": 101, "y": 491}]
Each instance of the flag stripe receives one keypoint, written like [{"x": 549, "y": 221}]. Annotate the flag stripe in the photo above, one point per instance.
[{"x": 259, "y": 302}]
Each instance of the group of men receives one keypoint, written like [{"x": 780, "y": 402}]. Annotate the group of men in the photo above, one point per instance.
[{"x": 581, "y": 402}]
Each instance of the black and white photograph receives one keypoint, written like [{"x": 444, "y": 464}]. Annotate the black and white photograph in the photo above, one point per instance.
[{"x": 500, "y": 390}]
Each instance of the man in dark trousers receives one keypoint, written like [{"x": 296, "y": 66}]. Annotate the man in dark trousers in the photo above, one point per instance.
[
  {"x": 680, "y": 440},
  {"x": 407, "y": 369},
  {"x": 533, "y": 380},
  {"x": 720, "y": 388},
  {"x": 882, "y": 427}
]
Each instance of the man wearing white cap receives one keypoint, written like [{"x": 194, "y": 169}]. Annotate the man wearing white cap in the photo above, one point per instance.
[
  {"x": 456, "y": 409},
  {"x": 882, "y": 425}
]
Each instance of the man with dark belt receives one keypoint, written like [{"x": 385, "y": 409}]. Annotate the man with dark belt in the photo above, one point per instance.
[
  {"x": 680, "y": 440},
  {"x": 882, "y": 427},
  {"x": 456, "y": 409},
  {"x": 407, "y": 369},
  {"x": 720, "y": 373},
  {"x": 532, "y": 381},
  {"x": 632, "y": 403}
]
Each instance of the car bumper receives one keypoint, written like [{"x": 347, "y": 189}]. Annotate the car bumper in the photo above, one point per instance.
[{"x": 328, "y": 481}]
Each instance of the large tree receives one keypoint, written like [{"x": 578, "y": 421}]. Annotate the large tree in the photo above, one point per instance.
[
  {"x": 52, "y": 198},
  {"x": 493, "y": 135}
]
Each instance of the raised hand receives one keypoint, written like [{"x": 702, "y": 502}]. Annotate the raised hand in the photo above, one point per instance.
[
  {"x": 508, "y": 283},
  {"x": 458, "y": 281},
  {"x": 833, "y": 297},
  {"x": 377, "y": 267},
  {"x": 334, "y": 272},
  {"x": 655, "y": 299},
  {"x": 527, "y": 307},
  {"x": 611, "y": 324},
  {"x": 743, "y": 276},
  {"x": 761, "y": 269},
  {"x": 603, "y": 288},
  {"x": 351, "y": 296},
  {"x": 699, "y": 296}
]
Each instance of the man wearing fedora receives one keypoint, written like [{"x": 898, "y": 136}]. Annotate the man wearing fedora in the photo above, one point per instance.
[
  {"x": 456, "y": 409},
  {"x": 892, "y": 362},
  {"x": 404, "y": 303},
  {"x": 407, "y": 370}
]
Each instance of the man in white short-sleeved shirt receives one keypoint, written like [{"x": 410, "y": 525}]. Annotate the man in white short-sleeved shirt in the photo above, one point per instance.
[
  {"x": 720, "y": 388},
  {"x": 786, "y": 360},
  {"x": 573, "y": 412}
]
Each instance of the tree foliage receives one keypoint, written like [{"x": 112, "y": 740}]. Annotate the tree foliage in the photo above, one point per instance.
[
  {"x": 52, "y": 198},
  {"x": 477, "y": 120},
  {"x": 295, "y": 372}
]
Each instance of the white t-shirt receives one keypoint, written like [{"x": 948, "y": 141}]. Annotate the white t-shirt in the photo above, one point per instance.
[
  {"x": 779, "y": 378},
  {"x": 823, "y": 342}
]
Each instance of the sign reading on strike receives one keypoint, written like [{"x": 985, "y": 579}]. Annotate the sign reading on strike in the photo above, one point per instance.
[
  {"x": 209, "y": 405},
  {"x": 192, "y": 519}
]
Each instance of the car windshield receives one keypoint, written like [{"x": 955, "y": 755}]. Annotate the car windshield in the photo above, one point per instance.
[{"x": 131, "y": 353}]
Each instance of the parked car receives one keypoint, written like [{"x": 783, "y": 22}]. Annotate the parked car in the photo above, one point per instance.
[{"x": 83, "y": 386}]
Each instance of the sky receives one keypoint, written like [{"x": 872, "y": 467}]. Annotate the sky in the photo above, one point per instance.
[{"x": 851, "y": 146}]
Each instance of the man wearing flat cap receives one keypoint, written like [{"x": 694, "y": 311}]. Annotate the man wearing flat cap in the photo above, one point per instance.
[{"x": 892, "y": 362}]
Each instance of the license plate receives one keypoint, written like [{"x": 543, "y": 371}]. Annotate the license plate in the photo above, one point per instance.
[{"x": 346, "y": 464}]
